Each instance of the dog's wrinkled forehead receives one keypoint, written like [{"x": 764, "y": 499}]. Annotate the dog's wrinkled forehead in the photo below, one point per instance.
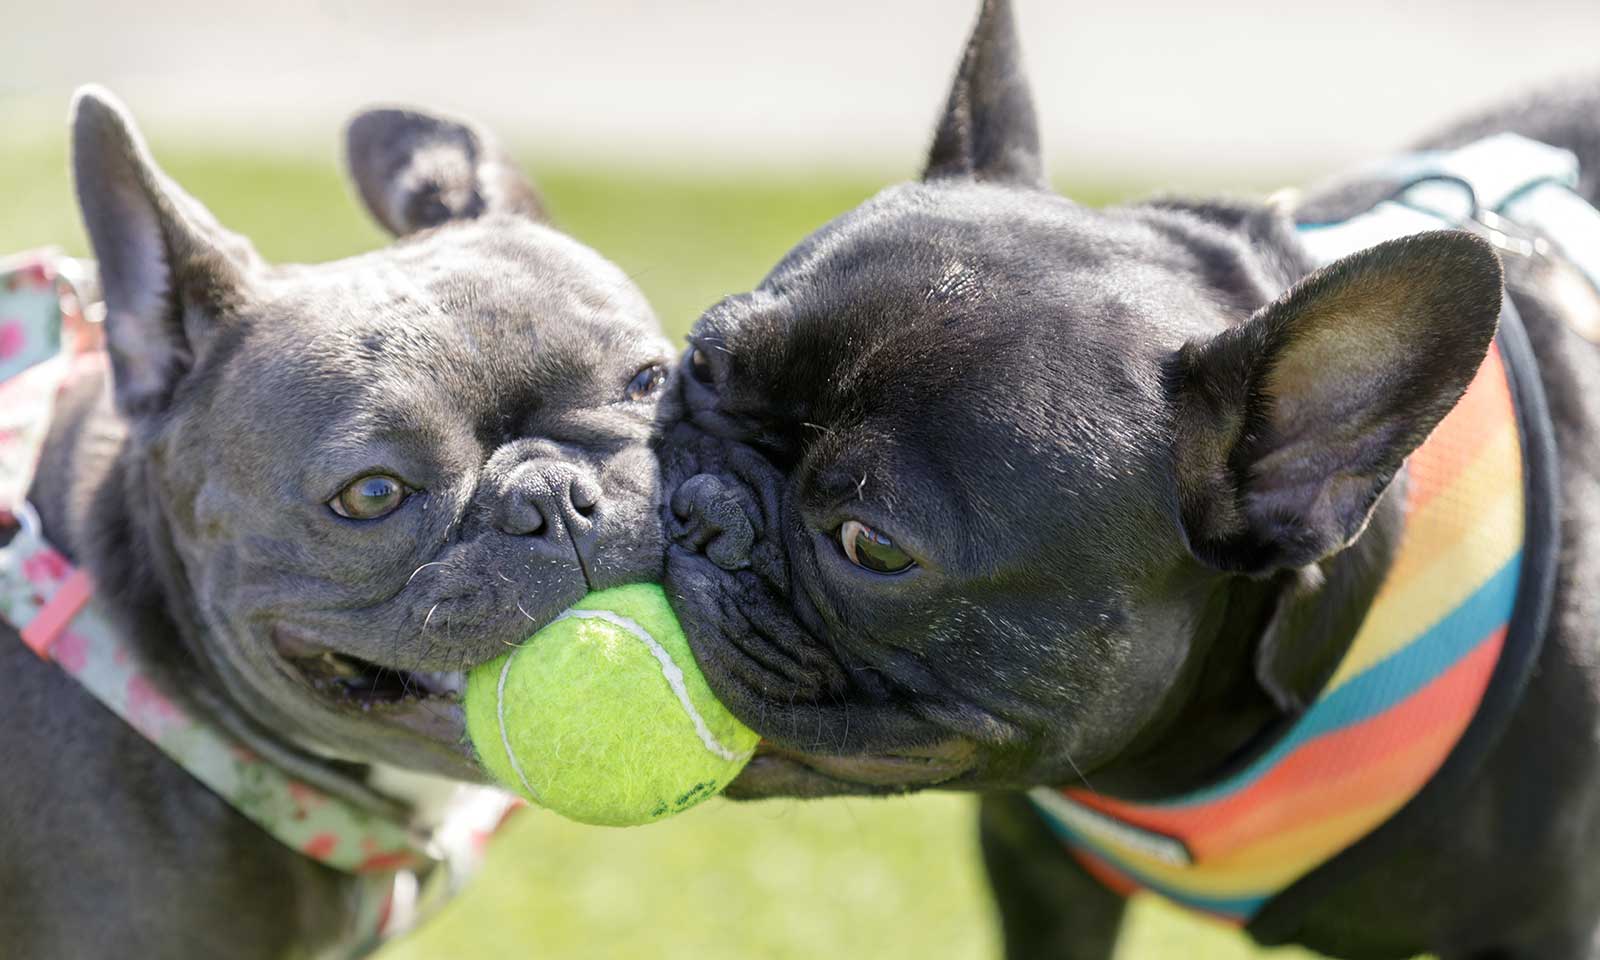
[
  {"x": 929, "y": 285},
  {"x": 925, "y": 348},
  {"x": 496, "y": 312}
]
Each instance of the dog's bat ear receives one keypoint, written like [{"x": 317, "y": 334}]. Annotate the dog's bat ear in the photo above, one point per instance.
[
  {"x": 416, "y": 171},
  {"x": 1291, "y": 425},
  {"x": 167, "y": 268},
  {"x": 989, "y": 130}
]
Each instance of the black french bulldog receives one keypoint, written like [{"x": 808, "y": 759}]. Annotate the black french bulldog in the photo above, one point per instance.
[
  {"x": 985, "y": 490},
  {"x": 313, "y": 495}
]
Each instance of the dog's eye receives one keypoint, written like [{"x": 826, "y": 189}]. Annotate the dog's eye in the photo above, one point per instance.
[
  {"x": 370, "y": 497},
  {"x": 871, "y": 550},
  {"x": 645, "y": 383},
  {"x": 700, "y": 366}
]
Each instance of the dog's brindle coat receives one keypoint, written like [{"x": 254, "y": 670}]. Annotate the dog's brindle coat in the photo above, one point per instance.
[
  {"x": 1141, "y": 469},
  {"x": 504, "y": 373}
]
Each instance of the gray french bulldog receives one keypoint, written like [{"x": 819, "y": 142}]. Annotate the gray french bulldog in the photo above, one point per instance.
[
  {"x": 984, "y": 490},
  {"x": 313, "y": 496}
]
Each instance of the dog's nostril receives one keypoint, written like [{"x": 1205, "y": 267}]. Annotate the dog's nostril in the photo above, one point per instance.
[
  {"x": 521, "y": 517},
  {"x": 715, "y": 522},
  {"x": 696, "y": 494},
  {"x": 584, "y": 495}
]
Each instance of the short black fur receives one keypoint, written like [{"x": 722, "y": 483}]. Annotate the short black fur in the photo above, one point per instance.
[{"x": 1149, "y": 465}]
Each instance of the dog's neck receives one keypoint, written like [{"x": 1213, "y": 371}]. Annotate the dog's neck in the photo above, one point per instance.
[
  {"x": 1262, "y": 652},
  {"x": 96, "y": 503},
  {"x": 1262, "y": 648}
]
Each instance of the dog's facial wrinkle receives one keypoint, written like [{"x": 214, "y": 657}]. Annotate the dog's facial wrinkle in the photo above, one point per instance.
[
  {"x": 447, "y": 379},
  {"x": 1014, "y": 431}
]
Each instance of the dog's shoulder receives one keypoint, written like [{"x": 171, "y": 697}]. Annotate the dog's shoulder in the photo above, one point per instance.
[{"x": 82, "y": 789}]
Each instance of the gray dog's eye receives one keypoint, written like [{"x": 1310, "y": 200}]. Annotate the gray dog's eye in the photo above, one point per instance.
[
  {"x": 871, "y": 550},
  {"x": 645, "y": 383},
  {"x": 370, "y": 497}
]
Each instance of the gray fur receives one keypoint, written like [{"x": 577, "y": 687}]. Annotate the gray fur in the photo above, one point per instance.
[{"x": 483, "y": 359}]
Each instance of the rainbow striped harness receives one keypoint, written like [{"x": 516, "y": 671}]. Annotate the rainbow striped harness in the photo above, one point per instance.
[{"x": 1445, "y": 648}]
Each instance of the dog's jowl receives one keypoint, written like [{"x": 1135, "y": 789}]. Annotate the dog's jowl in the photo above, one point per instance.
[
  {"x": 1245, "y": 553},
  {"x": 302, "y": 500}
]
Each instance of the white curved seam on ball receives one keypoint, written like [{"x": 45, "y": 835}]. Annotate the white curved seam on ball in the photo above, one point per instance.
[
  {"x": 505, "y": 740},
  {"x": 669, "y": 668}
]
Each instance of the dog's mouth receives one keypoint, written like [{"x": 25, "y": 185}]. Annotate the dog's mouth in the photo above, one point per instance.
[
  {"x": 767, "y": 668},
  {"x": 427, "y": 703},
  {"x": 367, "y": 684}
]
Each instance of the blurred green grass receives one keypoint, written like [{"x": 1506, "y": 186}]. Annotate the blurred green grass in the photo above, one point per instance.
[
  {"x": 687, "y": 239},
  {"x": 783, "y": 879}
]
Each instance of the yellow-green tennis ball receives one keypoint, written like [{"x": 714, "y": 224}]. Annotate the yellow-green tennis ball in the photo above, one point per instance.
[{"x": 603, "y": 716}]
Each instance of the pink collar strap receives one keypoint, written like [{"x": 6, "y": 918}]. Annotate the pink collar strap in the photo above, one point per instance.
[{"x": 52, "y": 605}]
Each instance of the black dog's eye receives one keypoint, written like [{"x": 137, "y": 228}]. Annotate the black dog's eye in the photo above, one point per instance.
[
  {"x": 871, "y": 550},
  {"x": 645, "y": 383},
  {"x": 370, "y": 497},
  {"x": 700, "y": 366}
]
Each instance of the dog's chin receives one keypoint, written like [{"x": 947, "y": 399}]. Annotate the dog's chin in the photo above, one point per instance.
[
  {"x": 778, "y": 772},
  {"x": 821, "y": 737},
  {"x": 373, "y": 704}
]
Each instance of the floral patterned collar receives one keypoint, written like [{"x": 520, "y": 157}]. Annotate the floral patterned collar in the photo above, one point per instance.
[{"x": 45, "y": 340}]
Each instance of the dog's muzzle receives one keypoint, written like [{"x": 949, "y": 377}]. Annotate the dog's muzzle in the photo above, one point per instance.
[{"x": 712, "y": 519}]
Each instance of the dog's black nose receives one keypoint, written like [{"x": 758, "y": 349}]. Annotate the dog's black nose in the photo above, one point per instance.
[
  {"x": 553, "y": 499},
  {"x": 714, "y": 521}
]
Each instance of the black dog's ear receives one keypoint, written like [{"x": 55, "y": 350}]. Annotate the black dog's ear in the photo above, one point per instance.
[
  {"x": 989, "y": 130},
  {"x": 167, "y": 268},
  {"x": 416, "y": 171},
  {"x": 1291, "y": 425}
]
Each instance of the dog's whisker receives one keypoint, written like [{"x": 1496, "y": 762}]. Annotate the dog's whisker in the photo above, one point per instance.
[
  {"x": 1079, "y": 771},
  {"x": 430, "y": 563},
  {"x": 525, "y": 613}
]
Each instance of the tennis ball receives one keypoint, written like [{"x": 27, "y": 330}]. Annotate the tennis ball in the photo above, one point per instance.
[{"x": 603, "y": 716}]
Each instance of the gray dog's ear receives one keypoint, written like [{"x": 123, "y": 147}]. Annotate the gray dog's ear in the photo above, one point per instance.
[
  {"x": 989, "y": 130},
  {"x": 417, "y": 171},
  {"x": 1291, "y": 425},
  {"x": 166, "y": 267}
]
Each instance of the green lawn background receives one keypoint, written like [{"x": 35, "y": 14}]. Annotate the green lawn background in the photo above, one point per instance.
[{"x": 883, "y": 879}]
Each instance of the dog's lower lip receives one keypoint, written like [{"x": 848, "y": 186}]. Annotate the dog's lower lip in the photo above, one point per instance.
[
  {"x": 879, "y": 771},
  {"x": 363, "y": 683},
  {"x": 369, "y": 684}
]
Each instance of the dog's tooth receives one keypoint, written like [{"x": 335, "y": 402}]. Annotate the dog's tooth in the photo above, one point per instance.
[
  {"x": 445, "y": 683},
  {"x": 341, "y": 666}
]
